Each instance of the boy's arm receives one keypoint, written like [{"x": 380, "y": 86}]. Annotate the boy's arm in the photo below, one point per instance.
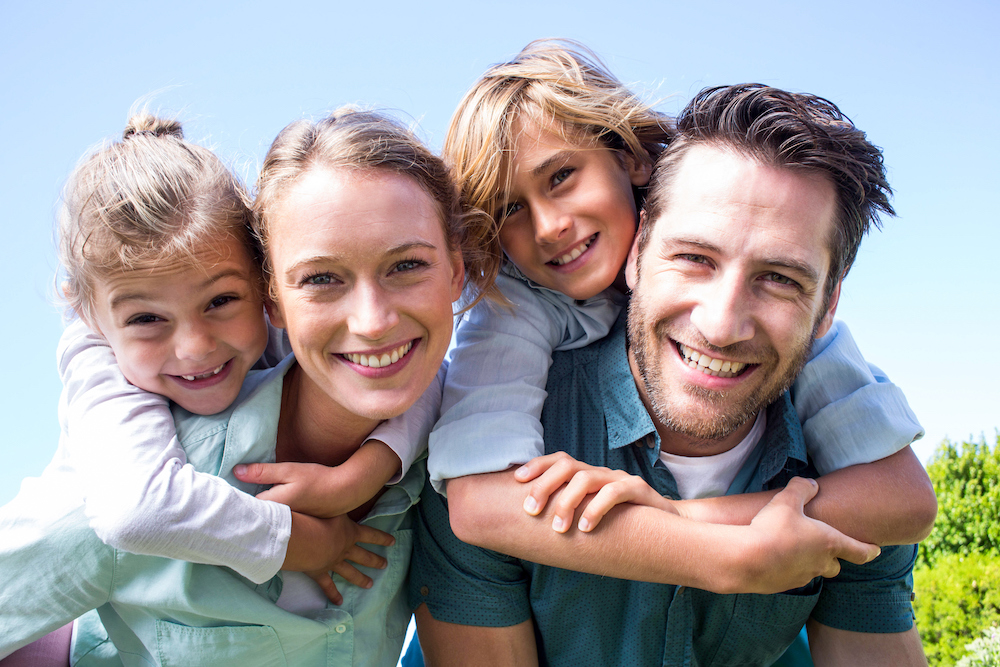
[
  {"x": 495, "y": 386},
  {"x": 780, "y": 550},
  {"x": 141, "y": 495}
]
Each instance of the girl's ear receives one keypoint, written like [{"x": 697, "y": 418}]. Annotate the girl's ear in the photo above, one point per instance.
[{"x": 632, "y": 264}]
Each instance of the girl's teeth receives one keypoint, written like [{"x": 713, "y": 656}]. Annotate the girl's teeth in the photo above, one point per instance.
[
  {"x": 192, "y": 378},
  {"x": 710, "y": 366},
  {"x": 380, "y": 361}
]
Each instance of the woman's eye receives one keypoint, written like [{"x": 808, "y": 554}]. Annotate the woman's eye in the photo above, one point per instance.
[
  {"x": 319, "y": 279},
  {"x": 561, "y": 175},
  {"x": 408, "y": 265}
]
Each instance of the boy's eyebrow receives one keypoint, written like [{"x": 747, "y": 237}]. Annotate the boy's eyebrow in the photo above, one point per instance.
[
  {"x": 119, "y": 299},
  {"x": 546, "y": 164}
]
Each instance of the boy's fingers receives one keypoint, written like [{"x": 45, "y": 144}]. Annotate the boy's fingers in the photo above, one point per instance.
[
  {"x": 798, "y": 492},
  {"x": 560, "y": 472},
  {"x": 855, "y": 551}
]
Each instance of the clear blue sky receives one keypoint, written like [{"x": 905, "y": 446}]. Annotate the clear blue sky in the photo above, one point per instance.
[{"x": 921, "y": 79}]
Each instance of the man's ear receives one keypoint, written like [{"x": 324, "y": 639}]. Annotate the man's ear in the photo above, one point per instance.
[
  {"x": 831, "y": 311},
  {"x": 274, "y": 313},
  {"x": 632, "y": 263}
]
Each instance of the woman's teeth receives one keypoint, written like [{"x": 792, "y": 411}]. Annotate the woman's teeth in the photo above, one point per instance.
[
  {"x": 574, "y": 253},
  {"x": 710, "y": 366},
  {"x": 380, "y": 361},
  {"x": 192, "y": 378}
]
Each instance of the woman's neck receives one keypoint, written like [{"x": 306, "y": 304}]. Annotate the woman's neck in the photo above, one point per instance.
[{"x": 313, "y": 428}]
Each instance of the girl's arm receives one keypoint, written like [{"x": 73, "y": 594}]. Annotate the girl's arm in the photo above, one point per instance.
[
  {"x": 495, "y": 386},
  {"x": 141, "y": 495}
]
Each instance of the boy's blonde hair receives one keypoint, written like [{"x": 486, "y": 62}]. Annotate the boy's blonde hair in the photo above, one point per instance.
[
  {"x": 141, "y": 200},
  {"x": 561, "y": 85},
  {"x": 368, "y": 141}
]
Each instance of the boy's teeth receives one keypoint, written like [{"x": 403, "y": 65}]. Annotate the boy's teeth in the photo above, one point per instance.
[
  {"x": 710, "y": 366},
  {"x": 380, "y": 360},
  {"x": 573, "y": 254},
  {"x": 192, "y": 378}
]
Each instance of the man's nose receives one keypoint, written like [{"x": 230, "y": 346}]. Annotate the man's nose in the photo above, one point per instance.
[{"x": 723, "y": 311}]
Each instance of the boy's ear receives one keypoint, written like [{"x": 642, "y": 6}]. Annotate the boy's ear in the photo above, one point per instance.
[
  {"x": 632, "y": 264},
  {"x": 274, "y": 313},
  {"x": 638, "y": 170}
]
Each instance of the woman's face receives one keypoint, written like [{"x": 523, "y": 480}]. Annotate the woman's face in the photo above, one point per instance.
[{"x": 364, "y": 283}]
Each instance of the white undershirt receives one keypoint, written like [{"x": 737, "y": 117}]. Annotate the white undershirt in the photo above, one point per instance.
[{"x": 711, "y": 476}]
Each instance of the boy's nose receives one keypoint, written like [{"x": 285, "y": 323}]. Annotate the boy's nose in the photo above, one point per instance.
[{"x": 551, "y": 225}]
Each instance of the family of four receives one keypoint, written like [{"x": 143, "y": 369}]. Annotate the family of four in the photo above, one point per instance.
[{"x": 645, "y": 381}]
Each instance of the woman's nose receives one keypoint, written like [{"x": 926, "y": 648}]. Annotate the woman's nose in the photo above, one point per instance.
[{"x": 373, "y": 313}]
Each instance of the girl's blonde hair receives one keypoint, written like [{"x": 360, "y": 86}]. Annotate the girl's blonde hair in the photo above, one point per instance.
[
  {"x": 149, "y": 197},
  {"x": 366, "y": 140},
  {"x": 561, "y": 85}
]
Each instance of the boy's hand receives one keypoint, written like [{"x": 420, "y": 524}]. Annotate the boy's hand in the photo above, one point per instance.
[
  {"x": 577, "y": 481},
  {"x": 787, "y": 549},
  {"x": 325, "y": 491},
  {"x": 320, "y": 547}
]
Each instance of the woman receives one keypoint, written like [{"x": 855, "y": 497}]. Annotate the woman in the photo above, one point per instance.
[{"x": 362, "y": 238}]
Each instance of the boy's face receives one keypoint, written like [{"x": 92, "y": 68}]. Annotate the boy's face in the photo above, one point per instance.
[
  {"x": 571, "y": 214},
  {"x": 187, "y": 329}
]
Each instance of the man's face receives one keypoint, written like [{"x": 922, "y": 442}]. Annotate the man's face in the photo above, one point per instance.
[{"x": 728, "y": 294}]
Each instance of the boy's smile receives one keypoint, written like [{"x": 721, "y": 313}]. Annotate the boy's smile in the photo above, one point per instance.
[{"x": 570, "y": 214}]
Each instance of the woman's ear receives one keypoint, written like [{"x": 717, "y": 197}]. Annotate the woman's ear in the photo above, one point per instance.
[
  {"x": 458, "y": 273},
  {"x": 274, "y": 312}
]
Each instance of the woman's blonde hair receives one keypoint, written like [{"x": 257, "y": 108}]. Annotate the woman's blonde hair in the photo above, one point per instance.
[
  {"x": 366, "y": 140},
  {"x": 561, "y": 85},
  {"x": 138, "y": 201}
]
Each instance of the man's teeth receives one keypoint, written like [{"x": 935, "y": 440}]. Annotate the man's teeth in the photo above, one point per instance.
[
  {"x": 573, "y": 254},
  {"x": 710, "y": 366},
  {"x": 192, "y": 378},
  {"x": 383, "y": 360}
]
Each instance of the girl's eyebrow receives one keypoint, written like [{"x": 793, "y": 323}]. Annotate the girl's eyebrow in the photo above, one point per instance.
[{"x": 119, "y": 299}]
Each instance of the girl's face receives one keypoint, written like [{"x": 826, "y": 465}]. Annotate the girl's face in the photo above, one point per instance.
[
  {"x": 189, "y": 329},
  {"x": 571, "y": 214},
  {"x": 364, "y": 283}
]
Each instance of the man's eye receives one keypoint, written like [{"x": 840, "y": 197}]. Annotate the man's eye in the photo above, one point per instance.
[
  {"x": 697, "y": 259},
  {"x": 780, "y": 279}
]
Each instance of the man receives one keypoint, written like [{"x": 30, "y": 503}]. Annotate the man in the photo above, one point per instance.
[{"x": 754, "y": 215}]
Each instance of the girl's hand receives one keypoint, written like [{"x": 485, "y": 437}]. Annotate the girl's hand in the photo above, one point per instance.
[
  {"x": 578, "y": 480},
  {"x": 325, "y": 491},
  {"x": 322, "y": 547}
]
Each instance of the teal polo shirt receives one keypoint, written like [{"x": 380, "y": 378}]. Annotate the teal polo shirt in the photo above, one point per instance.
[{"x": 594, "y": 413}]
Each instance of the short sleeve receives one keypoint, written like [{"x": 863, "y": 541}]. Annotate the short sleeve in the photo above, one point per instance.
[{"x": 461, "y": 583}]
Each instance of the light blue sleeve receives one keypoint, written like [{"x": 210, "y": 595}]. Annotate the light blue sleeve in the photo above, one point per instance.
[
  {"x": 407, "y": 434},
  {"x": 495, "y": 384},
  {"x": 850, "y": 412},
  {"x": 53, "y": 568}
]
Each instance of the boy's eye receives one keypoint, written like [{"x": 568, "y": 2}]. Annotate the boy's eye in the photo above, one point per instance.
[
  {"x": 561, "y": 175},
  {"x": 144, "y": 318},
  {"x": 510, "y": 209}
]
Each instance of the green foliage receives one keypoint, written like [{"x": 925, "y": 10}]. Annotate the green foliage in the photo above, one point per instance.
[
  {"x": 966, "y": 479},
  {"x": 984, "y": 652},
  {"x": 955, "y": 600}
]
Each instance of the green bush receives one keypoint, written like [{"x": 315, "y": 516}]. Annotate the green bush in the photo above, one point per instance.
[
  {"x": 966, "y": 479},
  {"x": 955, "y": 600},
  {"x": 984, "y": 652}
]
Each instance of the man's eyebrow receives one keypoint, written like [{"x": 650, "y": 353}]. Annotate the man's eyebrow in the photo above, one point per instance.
[
  {"x": 125, "y": 297},
  {"x": 546, "y": 164},
  {"x": 805, "y": 271},
  {"x": 690, "y": 242}
]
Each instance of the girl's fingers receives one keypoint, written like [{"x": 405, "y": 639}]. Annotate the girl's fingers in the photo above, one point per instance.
[
  {"x": 370, "y": 535},
  {"x": 326, "y": 583},
  {"x": 364, "y": 557},
  {"x": 352, "y": 575}
]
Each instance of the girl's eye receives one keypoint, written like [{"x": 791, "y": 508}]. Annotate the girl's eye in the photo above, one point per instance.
[
  {"x": 144, "y": 318},
  {"x": 561, "y": 175},
  {"x": 221, "y": 301}
]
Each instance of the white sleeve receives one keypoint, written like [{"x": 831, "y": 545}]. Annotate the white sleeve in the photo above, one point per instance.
[
  {"x": 407, "y": 434},
  {"x": 141, "y": 494},
  {"x": 850, "y": 412},
  {"x": 495, "y": 385}
]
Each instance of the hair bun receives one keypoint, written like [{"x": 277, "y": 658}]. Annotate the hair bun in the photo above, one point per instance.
[{"x": 144, "y": 123}]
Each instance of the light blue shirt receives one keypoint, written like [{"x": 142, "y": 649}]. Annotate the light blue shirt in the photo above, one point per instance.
[
  {"x": 495, "y": 387},
  {"x": 159, "y": 611}
]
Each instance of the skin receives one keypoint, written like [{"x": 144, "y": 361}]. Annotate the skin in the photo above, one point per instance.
[
  {"x": 361, "y": 267},
  {"x": 200, "y": 316},
  {"x": 565, "y": 196},
  {"x": 735, "y": 269}
]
